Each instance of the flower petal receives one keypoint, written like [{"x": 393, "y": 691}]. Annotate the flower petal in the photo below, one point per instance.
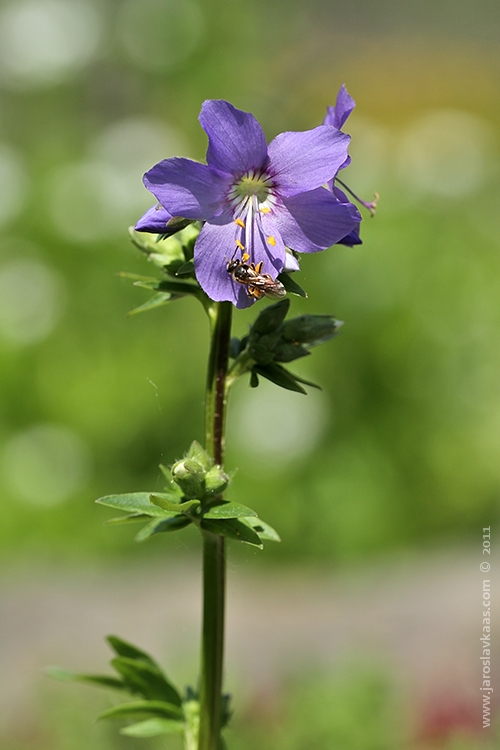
[
  {"x": 351, "y": 239},
  {"x": 187, "y": 188},
  {"x": 315, "y": 220},
  {"x": 300, "y": 162},
  {"x": 338, "y": 114},
  {"x": 212, "y": 252},
  {"x": 236, "y": 141},
  {"x": 154, "y": 220}
]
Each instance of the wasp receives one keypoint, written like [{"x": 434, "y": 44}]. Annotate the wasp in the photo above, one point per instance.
[{"x": 250, "y": 275}]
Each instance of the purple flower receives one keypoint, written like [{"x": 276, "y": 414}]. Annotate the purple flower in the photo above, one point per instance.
[
  {"x": 154, "y": 220},
  {"x": 254, "y": 199},
  {"x": 336, "y": 116}
]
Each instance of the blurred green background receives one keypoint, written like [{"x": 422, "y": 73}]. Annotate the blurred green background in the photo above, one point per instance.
[{"x": 399, "y": 452}]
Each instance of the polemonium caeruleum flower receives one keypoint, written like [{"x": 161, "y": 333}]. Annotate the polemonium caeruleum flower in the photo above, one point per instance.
[
  {"x": 336, "y": 116},
  {"x": 254, "y": 199}
]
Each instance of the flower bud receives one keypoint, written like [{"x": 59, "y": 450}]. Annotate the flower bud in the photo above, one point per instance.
[
  {"x": 189, "y": 475},
  {"x": 216, "y": 480}
]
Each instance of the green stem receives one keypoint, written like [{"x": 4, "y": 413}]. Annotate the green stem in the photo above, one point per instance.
[{"x": 214, "y": 561}]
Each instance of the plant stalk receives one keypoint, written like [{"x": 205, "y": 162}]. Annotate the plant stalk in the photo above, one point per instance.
[{"x": 214, "y": 560}]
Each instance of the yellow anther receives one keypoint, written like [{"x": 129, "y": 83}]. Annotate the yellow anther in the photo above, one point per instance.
[
  {"x": 245, "y": 257},
  {"x": 265, "y": 210},
  {"x": 240, "y": 223},
  {"x": 271, "y": 240},
  {"x": 240, "y": 245}
]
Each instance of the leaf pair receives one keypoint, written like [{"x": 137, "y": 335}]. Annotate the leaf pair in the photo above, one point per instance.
[
  {"x": 166, "y": 513},
  {"x": 158, "y": 707}
]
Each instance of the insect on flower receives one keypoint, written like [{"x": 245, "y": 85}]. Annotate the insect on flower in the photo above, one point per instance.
[{"x": 258, "y": 284}]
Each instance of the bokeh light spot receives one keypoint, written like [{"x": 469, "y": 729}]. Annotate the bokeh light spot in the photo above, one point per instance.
[
  {"x": 276, "y": 425},
  {"x": 42, "y": 42},
  {"x": 13, "y": 183},
  {"x": 45, "y": 464},
  {"x": 160, "y": 34},
  {"x": 446, "y": 152},
  {"x": 104, "y": 194},
  {"x": 31, "y": 300}
]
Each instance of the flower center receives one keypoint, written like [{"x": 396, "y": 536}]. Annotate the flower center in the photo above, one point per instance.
[{"x": 251, "y": 184}]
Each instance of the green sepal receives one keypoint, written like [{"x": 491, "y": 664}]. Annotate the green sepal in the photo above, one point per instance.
[
  {"x": 266, "y": 533},
  {"x": 178, "y": 288},
  {"x": 146, "y": 679},
  {"x": 228, "y": 510},
  {"x": 153, "y": 728},
  {"x": 270, "y": 318},
  {"x": 261, "y": 348},
  {"x": 311, "y": 330},
  {"x": 198, "y": 453},
  {"x": 128, "y": 650},
  {"x": 171, "y": 507},
  {"x": 279, "y": 376},
  {"x": 96, "y": 679},
  {"x": 131, "y": 518},
  {"x": 254, "y": 379},
  {"x": 165, "y": 470},
  {"x": 158, "y": 300},
  {"x": 134, "y": 502},
  {"x": 175, "y": 224},
  {"x": 233, "y": 528},
  {"x": 291, "y": 285},
  {"x": 216, "y": 481},
  {"x": 136, "y": 709},
  {"x": 236, "y": 346},
  {"x": 187, "y": 269},
  {"x": 287, "y": 351},
  {"x": 159, "y": 526}
]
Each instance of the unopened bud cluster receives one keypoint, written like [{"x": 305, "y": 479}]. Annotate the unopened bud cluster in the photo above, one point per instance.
[{"x": 197, "y": 476}]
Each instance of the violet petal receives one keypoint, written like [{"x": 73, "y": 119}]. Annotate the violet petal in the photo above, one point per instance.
[
  {"x": 154, "y": 220},
  {"x": 236, "y": 141},
  {"x": 338, "y": 114},
  {"x": 315, "y": 220},
  {"x": 212, "y": 252},
  {"x": 301, "y": 162},
  {"x": 187, "y": 188}
]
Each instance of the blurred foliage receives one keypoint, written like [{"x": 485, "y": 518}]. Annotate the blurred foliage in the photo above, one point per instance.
[
  {"x": 359, "y": 709},
  {"x": 402, "y": 445}
]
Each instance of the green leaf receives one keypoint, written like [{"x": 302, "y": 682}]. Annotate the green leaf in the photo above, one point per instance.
[
  {"x": 157, "y": 301},
  {"x": 228, "y": 510},
  {"x": 136, "y": 709},
  {"x": 291, "y": 285},
  {"x": 128, "y": 650},
  {"x": 265, "y": 532},
  {"x": 67, "y": 676},
  {"x": 147, "y": 679},
  {"x": 233, "y": 528},
  {"x": 153, "y": 728},
  {"x": 172, "y": 507},
  {"x": 174, "y": 523},
  {"x": 135, "y": 502}
]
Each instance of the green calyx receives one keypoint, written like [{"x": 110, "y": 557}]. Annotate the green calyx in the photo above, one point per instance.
[{"x": 272, "y": 340}]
